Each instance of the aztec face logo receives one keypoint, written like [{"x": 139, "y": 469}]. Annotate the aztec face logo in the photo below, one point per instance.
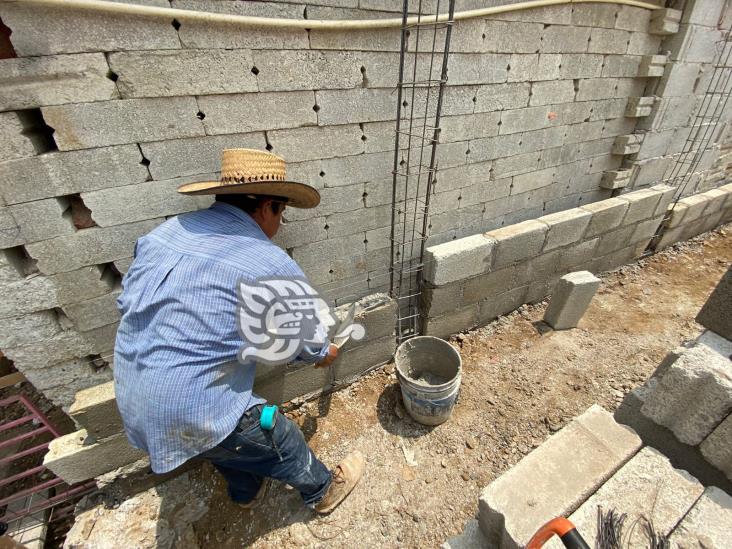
[{"x": 278, "y": 317}]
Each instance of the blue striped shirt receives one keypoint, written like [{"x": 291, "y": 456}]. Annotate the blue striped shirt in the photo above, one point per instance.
[{"x": 179, "y": 387}]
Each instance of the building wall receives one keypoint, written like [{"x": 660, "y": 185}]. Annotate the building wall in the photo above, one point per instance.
[{"x": 104, "y": 116}]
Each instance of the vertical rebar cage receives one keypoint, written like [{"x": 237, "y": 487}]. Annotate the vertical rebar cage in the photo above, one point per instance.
[{"x": 425, "y": 46}]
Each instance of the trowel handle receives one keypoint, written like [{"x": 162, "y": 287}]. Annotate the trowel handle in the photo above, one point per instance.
[{"x": 563, "y": 528}]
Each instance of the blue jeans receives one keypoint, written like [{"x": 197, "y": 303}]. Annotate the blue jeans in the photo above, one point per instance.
[{"x": 250, "y": 453}]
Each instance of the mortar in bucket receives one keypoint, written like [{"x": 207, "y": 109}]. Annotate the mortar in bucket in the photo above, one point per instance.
[{"x": 429, "y": 370}]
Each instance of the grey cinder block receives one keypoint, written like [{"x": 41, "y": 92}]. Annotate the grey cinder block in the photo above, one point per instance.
[
  {"x": 717, "y": 447},
  {"x": 88, "y": 125},
  {"x": 694, "y": 395},
  {"x": 716, "y": 314},
  {"x": 509, "y": 515},
  {"x": 638, "y": 107},
  {"x": 13, "y": 144},
  {"x": 95, "y": 409},
  {"x": 652, "y": 66},
  {"x": 462, "y": 258},
  {"x": 664, "y": 21},
  {"x": 516, "y": 242},
  {"x": 571, "y": 297},
  {"x": 627, "y": 144},
  {"x": 615, "y": 179},
  {"x": 55, "y": 80},
  {"x": 709, "y": 523}
]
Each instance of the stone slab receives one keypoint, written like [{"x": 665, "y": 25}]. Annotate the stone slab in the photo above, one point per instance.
[
  {"x": 31, "y": 82},
  {"x": 708, "y": 524},
  {"x": 716, "y": 314},
  {"x": 572, "y": 295},
  {"x": 76, "y": 457},
  {"x": 459, "y": 259},
  {"x": 717, "y": 447},
  {"x": 647, "y": 486},
  {"x": 693, "y": 396},
  {"x": 546, "y": 484},
  {"x": 88, "y": 125},
  {"x": 95, "y": 409},
  {"x": 516, "y": 242}
]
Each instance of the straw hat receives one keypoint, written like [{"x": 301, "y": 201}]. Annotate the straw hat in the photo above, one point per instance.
[{"x": 249, "y": 171}]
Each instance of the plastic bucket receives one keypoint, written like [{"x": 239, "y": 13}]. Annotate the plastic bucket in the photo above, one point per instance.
[{"x": 429, "y": 370}]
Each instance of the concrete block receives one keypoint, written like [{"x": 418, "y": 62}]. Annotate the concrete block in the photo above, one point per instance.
[
  {"x": 664, "y": 21},
  {"x": 13, "y": 144},
  {"x": 438, "y": 301},
  {"x": 646, "y": 229},
  {"x": 717, "y": 447},
  {"x": 60, "y": 382},
  {"x": 88, "y": 247},
  {"x": 650, "y": 172},
  {"x": 315, "y": 70},
  {"x": 716, "y": 314},
  {"x": 470, "y": 538},
  {"x": 65, "y": 173},
  {"x": 708, "y": 524},
  {"x": 236, "y": 113},
  {"x": 627, "y": 144},
  {"x": 85, "y": 283},
  {"x": 679, "y": 79},
  {"x": 588, "y": 15},
  {"x": 579, "y": 255},
  {"x": 353, "y": 362},
  {"x": 694, "y": 206},
  {"x": 565, "y": 227},
  {"x": 361, "y": 40},
  {"x": 55, "y": 30},
  {"x": 42, "y": 219},
  {"x": 196, "y": 155},
  {"x": 94, "y": 313},
  {"x": 24, "y": 296},
  {"x": 501, "y": 304},
  {"x": 615, "y": 179},
  {"x": 596, "y": 88},
  {"x": 88, "y": 125},
  {"x": 75, "y": 457},
  {"x": 452, "y": 323},
  {"x": 550, "y": 92},
  {"x": 312, "y": 143},
  {"x": 632, "y": 18},
  {"x": 660, "y": 494},
  {"x": 652, "y": 66},
  {"x": 638, "y": 107},
  {"x": 516, "y": 242},
  {"x": 95, "y": 409},
  {"x": 703, "y": 12},
  {"x": 641, "y": 204},
  {"x": 459, "y": 259},
  {"x": 183, "y": 72},
  {"x": 511, "y": 37},
  {"x": 534, "y": 67},
  {"x": 483, "y": 68},
  {"x": 377, "y": 314},
  {"x": 581, "y": 65},
  {"x": 621, "y": 66},
  {"x": 570, "y": 299},
  {"x": 149, "y": 200},
  {"x": 614, "y": 241},
  {"x": 356, "y": 105},
  {"x": 509, "y": 514},
  {"x": 558, "y": 39},
  {"x": 347, "y": 170},
  {"x": 693, "y": 396},
  {"x": 54, "y": 80},
  {"x": 27, "y": 329},
  {"x": 694, "y": 43},
  {"x": 608, "y": 41},
  {"x": 471, "y": 126},
  {"x": 10, "y": 236}
]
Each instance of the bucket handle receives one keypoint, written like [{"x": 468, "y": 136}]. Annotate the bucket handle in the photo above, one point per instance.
[{"x": 563, "y": 528}]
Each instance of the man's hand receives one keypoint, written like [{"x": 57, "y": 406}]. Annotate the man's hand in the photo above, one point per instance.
[{"x": 329, "y": 358}]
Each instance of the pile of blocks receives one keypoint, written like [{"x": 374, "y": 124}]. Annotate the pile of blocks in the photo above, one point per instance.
[
  {"x": 475, "y": 279},
  {"x": 591, "y": 463}
]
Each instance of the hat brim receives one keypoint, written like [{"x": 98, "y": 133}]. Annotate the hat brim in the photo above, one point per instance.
[{"x": 299, "y": 195}]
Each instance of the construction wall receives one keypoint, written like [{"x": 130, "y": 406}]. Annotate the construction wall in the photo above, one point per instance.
[{"x": 104, "y": 116}]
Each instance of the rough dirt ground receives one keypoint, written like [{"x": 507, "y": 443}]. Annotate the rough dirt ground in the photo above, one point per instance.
[{"x": 520, "y": 384}]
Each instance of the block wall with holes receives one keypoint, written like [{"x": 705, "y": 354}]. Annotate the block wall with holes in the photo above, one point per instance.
[{"x": 103, "y": 117}]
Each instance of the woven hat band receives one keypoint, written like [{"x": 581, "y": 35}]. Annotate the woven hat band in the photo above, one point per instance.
[{"x": 249, "y": 165}]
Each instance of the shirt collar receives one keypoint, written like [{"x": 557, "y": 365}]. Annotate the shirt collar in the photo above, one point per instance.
[{"x": 242, "y": 216}]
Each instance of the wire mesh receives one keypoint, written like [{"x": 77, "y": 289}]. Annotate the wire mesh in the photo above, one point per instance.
[
  {"x": 704, "y": 131},
  {"x": 424, "y": 53}
]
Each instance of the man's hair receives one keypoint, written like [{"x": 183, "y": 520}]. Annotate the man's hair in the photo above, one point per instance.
[{"x": 251, "y": 202}]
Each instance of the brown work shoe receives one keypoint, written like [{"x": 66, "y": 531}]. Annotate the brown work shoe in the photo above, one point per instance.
[
  {"x": 259, "y": 497},
  {"x": 345, "y": 477}
]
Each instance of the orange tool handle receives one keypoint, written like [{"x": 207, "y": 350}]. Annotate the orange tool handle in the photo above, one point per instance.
[{"x": 566, "y": 531}]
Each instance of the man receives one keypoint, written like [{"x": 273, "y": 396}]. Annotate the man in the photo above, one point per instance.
[{"x": 179, "y": 388}]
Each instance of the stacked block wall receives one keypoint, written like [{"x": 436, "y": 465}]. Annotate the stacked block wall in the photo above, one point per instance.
[{"x": 535, "y": 103}]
